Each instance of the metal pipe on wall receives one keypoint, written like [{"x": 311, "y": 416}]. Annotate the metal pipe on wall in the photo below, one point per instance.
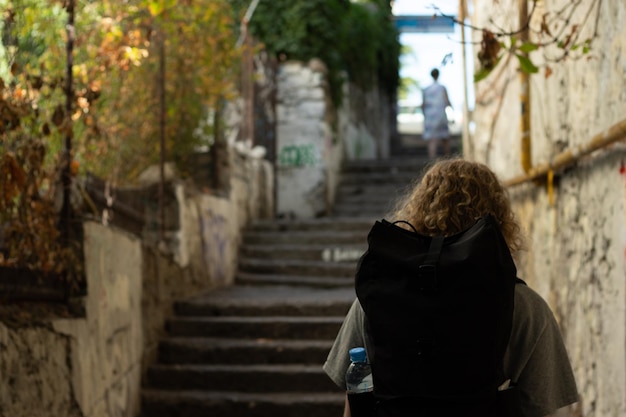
[
  {"x": 466, "y": 140},
  {"x": 526, "y": 149},
  {"x": 613, "y": 134}
]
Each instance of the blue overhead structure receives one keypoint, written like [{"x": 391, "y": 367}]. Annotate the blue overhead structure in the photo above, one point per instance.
[{"x": 424, "y": 24}]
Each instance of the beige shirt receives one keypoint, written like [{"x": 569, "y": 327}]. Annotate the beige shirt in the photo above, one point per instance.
[{"x": 536, "y": 359}]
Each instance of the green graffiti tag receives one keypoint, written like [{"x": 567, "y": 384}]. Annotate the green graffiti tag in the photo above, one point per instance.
[{"x": 297, "y": 156}]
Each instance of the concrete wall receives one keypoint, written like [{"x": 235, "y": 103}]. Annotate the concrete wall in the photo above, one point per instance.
[
  {"x": 106, "y": 346},
  {"x": 576, "y": 234},
  {"x": 204, "y": 254},
  {"x": 92, "y": 365},
  {"x": 305, "y": 141},
  {"x": 88, "y": 366},
  {"x": 364, "y": 123},
  {"x": 35, "y": 379},
  {"x": 314, "y": 138}
]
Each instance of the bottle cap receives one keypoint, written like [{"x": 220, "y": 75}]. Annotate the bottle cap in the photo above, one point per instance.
[{"x": 357, "y": 354}]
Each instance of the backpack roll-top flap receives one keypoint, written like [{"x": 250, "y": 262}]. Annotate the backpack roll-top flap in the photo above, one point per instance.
[{"x": 439, "y": 310}]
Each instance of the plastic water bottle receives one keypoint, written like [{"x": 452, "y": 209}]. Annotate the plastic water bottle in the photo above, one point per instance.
[{"x": 359, "y": 384}]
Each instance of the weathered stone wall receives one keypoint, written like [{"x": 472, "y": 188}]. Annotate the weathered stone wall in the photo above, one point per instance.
[
  {"x": 34, "y": 376},
  {"x": 92, "y": 366},
  {"x": 314, "y": 138},
  {"x": 87, "y": 366},
  {"x": 305, "y": 141},
  {"x": 205, "y": 254},
  {"x": 106, "y": 346},
  {"x": 364, "y": 123},
  {"x": 577, "y": 234}
]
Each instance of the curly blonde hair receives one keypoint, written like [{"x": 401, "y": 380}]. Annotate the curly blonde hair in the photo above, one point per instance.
[{"x": 452, "y": 195}]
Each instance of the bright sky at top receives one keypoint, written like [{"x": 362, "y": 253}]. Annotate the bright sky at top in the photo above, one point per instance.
[
  {"x": 429, "y": 50},
  {"x": 424, "y": 7}
]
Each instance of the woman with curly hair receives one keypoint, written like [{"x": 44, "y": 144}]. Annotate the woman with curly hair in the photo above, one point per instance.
[{"x": 451, "y": 197}]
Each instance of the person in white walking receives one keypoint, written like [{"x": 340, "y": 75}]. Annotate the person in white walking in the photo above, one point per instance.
[{"x": 434, "y": 102}]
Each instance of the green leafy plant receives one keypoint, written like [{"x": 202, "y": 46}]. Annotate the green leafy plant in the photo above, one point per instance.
[
  {"x": 356, "y": 39},
  {"x": 112, "y": 119},
  {"x": 32, "y": 124}
]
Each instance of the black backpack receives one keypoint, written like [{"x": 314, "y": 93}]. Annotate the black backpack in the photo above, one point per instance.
[{"x": 439, "y": 312}]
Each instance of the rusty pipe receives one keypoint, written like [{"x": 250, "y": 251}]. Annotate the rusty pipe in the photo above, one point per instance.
[{"x": 613, "y": 134}]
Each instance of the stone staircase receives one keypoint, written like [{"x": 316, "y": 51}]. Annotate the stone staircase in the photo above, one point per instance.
[
  {"x": 370, "y": 188},
  {"x": 256, "y": 349}
]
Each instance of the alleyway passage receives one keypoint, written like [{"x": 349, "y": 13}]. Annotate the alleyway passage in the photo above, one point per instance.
[{"x": 256, "y": 349}]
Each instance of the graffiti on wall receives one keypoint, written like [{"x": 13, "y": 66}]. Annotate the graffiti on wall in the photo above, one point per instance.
[
  {"x": 117, "y": 395},
  {"x": 297, "y": 156},
  {"x": 340, "y": 254},
  {"x": 214, "y": 232}
]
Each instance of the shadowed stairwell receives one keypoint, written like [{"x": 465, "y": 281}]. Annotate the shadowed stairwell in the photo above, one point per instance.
[{"x": 257, "y": 348}]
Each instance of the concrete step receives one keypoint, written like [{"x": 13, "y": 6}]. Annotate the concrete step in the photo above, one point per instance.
[
  {"x": 361, "y": 210},
  {"x": 413, "y": 165},
  {"x": 164, "y": 403},
  {"x": 301, "y": 267},
  {"x": 375, "y": 192},
  {"x": 379, "y": 178},
  {"x": 368, "y": 198},
  {"x": 369, "y": 207},
  {"x": 332, "y": 238},
  {"x": 205, "y": 350},
  {"x": 325, "y": 223},
  {"x": 241, "y": 378},
  {"x": 245, "y": 278},
  {"x": 415, "y": 147},
  {"x": 271, "y": 327},
  {"x": 269, "y": 300},
  {"x": 310, "y": 252}
]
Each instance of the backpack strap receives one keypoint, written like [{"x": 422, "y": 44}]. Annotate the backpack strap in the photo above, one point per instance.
[
  {"x": 405, "y": 222},
  {"x": 427, "y": 271},
  {"x": 508, "y": 398}
]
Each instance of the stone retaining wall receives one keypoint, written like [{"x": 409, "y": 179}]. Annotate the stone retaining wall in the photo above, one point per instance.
[
  {"x": 92, "y": 365},
  {"x": 577, "y": 233}
]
